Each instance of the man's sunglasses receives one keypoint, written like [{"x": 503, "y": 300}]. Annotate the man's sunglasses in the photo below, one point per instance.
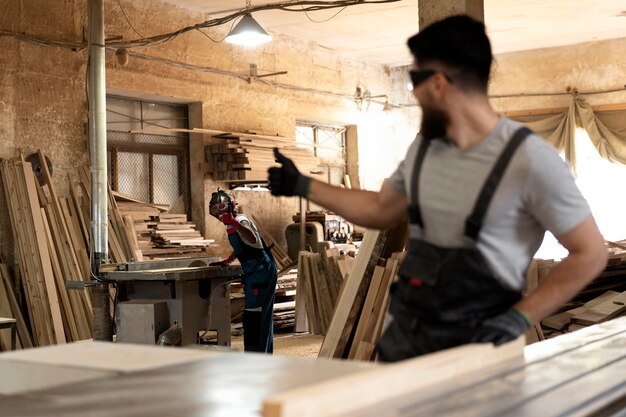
[{"x": 419, "y": 76}]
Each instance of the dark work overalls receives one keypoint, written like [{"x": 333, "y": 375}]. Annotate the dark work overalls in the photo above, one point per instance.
[
  {"x": 260, "y": 275},
  {"x": 443, "y": 294}
]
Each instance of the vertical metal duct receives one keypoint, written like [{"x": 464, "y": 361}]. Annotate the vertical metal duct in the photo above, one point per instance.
[{"x": 102, "y": 325}]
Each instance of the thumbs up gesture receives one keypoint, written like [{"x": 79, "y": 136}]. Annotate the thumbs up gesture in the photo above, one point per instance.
[{"x": 286, "y": 180}]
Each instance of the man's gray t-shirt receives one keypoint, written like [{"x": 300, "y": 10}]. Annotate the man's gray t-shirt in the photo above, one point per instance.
[{"x": 537, "y": 193}]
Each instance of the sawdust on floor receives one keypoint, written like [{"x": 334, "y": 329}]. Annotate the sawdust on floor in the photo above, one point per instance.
[{"x": 300, "y": 345}]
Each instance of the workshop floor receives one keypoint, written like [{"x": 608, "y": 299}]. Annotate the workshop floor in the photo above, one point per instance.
[{"x": 301, "y": 345}]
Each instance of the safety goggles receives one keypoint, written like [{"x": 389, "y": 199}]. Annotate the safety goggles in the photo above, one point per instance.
[
  {"x": 217, "y": 209},
  {"x": 419, "y": 76}
]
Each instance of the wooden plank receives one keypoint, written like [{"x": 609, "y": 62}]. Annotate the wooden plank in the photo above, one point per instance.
[
  {"x": 68, "y": 311},
  {"x": 381, "y": 305},
  {"x": 364, "y": 318},
  {"x": 352, "y": 296},
  {"x": 41, "y": 255},
  {"x": 604, "y": 311},
  {"x": 561, "y": 320},
  {"x": 301, "y": 323},
  {"x": 348, "y": 393},
  {"x": 22, "y": 330},
  {"x": 64, "y": 274}
]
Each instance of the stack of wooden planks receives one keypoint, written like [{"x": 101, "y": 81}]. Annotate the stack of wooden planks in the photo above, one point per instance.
[
  {"x": 285, "y": 305},
  {"x": 51, "y": 241},
  {"x": 358, "y": 315},
  {"x": 120, "y": 240},
  {"x": 321, "y": 277},
  {"x": 156, "y": 233},
  {"x": 603, "y": 299},
  {"x": 246, "y": 157}
]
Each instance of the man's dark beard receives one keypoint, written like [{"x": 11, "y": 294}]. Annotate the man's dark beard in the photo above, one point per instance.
[{"x": 434, "y": 124}]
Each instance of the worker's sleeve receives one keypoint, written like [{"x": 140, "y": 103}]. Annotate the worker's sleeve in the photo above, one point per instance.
[
  {"x": 248, "y": 225},
  {"x": 551, "y": 193},
  {"x": 400, "y": 180}
]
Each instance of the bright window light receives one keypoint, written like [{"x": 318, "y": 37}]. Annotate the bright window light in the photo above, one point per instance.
[{"x": 601, "y": 183}]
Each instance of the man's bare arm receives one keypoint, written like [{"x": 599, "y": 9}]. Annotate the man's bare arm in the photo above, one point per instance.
[
  {"x": 376, "y": 210},
  {"x": 586, "y": 260}
]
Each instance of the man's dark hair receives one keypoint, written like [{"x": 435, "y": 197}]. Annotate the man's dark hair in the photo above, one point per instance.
[{"x": 461, "y": 45}]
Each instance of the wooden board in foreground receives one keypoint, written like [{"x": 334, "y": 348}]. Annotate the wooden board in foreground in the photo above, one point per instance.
[{"x": 352, "y": 392}]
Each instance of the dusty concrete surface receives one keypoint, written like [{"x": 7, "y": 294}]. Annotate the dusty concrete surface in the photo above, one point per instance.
[{"x": 301, "y": 345}]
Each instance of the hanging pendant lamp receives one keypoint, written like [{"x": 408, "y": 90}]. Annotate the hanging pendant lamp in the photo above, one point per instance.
[{"x": 248, "y": 33}]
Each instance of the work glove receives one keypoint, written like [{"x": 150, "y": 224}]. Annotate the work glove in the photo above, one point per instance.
[
  {"x": 503, "y": 328},
  {"x": 229, "y": 220},
  {"x": 287, "y": 180},
  {"x": 223, "y": 262}
]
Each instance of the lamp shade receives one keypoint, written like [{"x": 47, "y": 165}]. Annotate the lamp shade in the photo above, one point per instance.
[{"x": 248, "y": 32}]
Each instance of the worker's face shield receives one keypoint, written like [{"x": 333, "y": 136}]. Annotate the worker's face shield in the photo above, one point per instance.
[{"x": 219, "y": 209}]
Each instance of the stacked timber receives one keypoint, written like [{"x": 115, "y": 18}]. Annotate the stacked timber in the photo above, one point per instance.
[
  {"x": 155, "y": 233},
  {"x": 52, "y": 248},
  {"x": 246, "y": 157},
  {"x": 120, "y": 240},
  {"x": 285, "y": 305},
  {"x": 603, "y": 299},
  {"x": 321, "y": 276},
  {"x": 357, "y": 318}
]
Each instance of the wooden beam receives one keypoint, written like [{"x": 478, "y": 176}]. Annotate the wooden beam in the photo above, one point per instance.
[{"x": 356, "y": 391}]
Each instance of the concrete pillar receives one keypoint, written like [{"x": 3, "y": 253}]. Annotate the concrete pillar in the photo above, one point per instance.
[{"x": 431, "y": 11}]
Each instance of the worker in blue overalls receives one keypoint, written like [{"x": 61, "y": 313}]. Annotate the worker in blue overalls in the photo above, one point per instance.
[{"x": 260, "y": 273}]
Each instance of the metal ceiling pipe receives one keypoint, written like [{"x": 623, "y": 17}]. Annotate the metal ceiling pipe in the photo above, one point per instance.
[{"x": 102, "y": 324}]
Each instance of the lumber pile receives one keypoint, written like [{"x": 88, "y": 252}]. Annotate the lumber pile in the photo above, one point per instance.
[
  {"x": 357, "y": 318},
  {"x": 120, "y": 241},
  {"x": 246, "y": 157},
  {"x": 321, "y": 277},
  {"x": 285, "y": 305},
  {"x": 51, "y": 243},
  {"x": 603, "y": 299},
  {"x": 154, "y": 232}
]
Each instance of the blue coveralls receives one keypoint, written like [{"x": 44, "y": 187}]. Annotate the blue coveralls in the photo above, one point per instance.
[{"x": 260, "y": 275}]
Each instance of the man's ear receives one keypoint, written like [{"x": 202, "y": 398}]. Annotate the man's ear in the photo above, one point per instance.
[{"x": 440, "y": 85}]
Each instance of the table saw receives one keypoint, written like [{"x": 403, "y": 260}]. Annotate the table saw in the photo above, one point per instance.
[{"x": 194, "y": 295}]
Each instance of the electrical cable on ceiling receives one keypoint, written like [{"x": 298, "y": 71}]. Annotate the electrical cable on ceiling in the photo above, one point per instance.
[
  {"x": 325, "y": 20},
  {"x": 128, "y": 21},
  {"x": 292, "y": 6}
]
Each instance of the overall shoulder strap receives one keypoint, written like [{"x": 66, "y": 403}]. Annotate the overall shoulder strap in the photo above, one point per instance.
[
  {"x": 415, "y": 214},
  {"x": 474, "y": 222}
]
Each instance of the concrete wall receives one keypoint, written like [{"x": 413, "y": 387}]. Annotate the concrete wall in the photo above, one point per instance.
[
  {"x": 588, "y": 67},
  {"x": 43, "y": 101}
]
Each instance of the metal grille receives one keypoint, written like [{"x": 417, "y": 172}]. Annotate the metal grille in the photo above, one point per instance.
[
  {"x": 151, "y": 168},
  {"x": 329, "y": 146}
]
